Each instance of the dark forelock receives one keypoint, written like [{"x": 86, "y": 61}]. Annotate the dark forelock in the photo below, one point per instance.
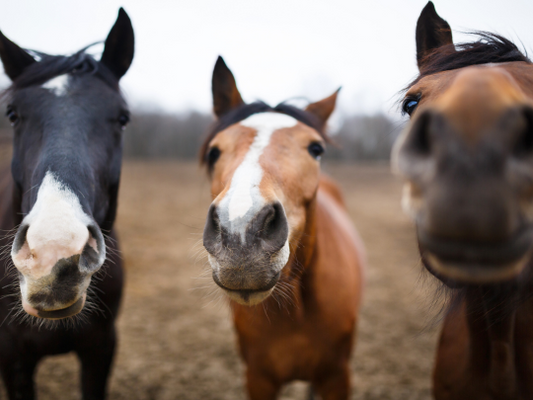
[
  {"x": 51, "y": 66},
  {"x": 488, "y": 48}
]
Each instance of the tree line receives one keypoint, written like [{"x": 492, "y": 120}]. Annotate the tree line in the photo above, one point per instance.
[
  {"x": 160, "y": 135},
  {"x": 155, "y": 134}
]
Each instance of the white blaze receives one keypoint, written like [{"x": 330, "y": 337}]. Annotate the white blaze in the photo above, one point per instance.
[
  {"x": 243, "y": 200},
  {"x": 57, "y": 229},
  {"x": 244, "y": 193},
  {"x": 57, "y": 85}
]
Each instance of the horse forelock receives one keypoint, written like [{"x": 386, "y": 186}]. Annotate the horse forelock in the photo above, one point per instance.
[{"x": 49, "y": 67}]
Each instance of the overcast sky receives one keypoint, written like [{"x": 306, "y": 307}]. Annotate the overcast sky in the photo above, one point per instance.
[{"x": 277, "y": 49}]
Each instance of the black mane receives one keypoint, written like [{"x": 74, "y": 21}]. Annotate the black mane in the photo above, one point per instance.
[
  {"x": 50, "y": 66},
  {"x": 246, "y": 110},
  {"x": 489, "y": 48}
]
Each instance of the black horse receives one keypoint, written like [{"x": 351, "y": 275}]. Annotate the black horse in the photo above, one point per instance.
[{"x": 68, "y": 116}]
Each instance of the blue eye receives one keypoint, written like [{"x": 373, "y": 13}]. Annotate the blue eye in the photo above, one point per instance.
[{"x": 409, "y": 105}]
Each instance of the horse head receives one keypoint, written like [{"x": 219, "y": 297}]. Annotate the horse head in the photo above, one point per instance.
[{"x": 68, "y": 116}]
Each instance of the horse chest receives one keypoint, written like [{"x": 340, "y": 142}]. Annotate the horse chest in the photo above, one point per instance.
[{"x": 289, "y": 348}]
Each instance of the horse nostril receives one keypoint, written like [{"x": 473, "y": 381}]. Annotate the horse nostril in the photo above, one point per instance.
[
  {"x": 96, "y": 239},
  {"x": 273, "y": 220},
  {"x": 211, "y": 229},
  {"x": 419, "y": 139},
  {"x": 524, "y": 145},
  {"x": 20, "y": 238},
  {"x": 271, "y": 226}
]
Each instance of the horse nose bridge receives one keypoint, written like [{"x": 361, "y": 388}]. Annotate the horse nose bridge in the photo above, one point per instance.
[{"x": 476, "y": 100}]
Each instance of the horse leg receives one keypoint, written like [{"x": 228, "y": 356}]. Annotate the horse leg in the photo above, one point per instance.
[
  {"x": 96, "y": 363},
  {"x": 335, "y": 385},
  {"x": 260, "y": 387},
  {"x": 18, "y": 378}
]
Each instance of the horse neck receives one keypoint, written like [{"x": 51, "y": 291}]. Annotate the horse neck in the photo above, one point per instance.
[
  {"x": 111, "y": 214},
  {"x": 300, "y": 266},
  {"x": 303, "y": 259},
  {"x": 9, "y": 219},
  {"x": 500, "y": 329}
]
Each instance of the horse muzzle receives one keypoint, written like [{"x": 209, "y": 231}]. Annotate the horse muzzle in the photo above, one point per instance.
[
  {"x": 463, "y": 262},
  {"x": 248, "y": 297},
  {"x": 59, "y": 294},
  {"x": 56, "y": 314},
  {"x": 55, "y": 272},
  {"x": 247, "y": 255}
]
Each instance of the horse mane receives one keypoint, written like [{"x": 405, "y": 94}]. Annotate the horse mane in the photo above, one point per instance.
[
  {"x": 488, "y": 48},
  {"x": 51, "y": 66},
  {"x": 246, "y": 110}
]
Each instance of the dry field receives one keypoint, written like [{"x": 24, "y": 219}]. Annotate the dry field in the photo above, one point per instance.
[{"x": 176, "y": 339}]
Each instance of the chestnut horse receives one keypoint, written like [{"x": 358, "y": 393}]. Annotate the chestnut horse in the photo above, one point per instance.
[
  {"x": 467, "y": 159},
  {"x": 60, "y": 196},
  {"x": 280, "y": 242}
]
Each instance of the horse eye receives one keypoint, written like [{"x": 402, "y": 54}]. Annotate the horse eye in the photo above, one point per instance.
[
  {"x": 123, "y": 120},
  {"x": 12, "y": 116},
  {"x": 409, "y": 105},
  {"x": 213, "y": 156},
  {"x": 316, "y": 150},
  {"x": 78, "y": 68}
]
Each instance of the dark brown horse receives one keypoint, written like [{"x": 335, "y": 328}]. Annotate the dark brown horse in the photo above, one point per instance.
[
  {"x": 467, "y": 159},
  {"x": 57, "y": 200},
  {"x": 280, "y": 242}
]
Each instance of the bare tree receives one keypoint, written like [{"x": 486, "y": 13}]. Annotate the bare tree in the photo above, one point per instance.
[
  {"x": 161, "y": 135},
  {"x": 364, "y": 137}
]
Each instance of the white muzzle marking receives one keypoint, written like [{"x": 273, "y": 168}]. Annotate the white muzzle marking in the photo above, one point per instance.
[{"x": 57, "y": 228}]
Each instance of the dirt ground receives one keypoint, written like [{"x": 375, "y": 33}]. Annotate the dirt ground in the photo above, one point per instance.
[{"x": 176, "y": 339}]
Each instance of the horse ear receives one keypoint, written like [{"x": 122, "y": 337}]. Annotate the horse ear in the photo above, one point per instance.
[
  {"x": 119, "y": 45},
  {"x": 14, "y": 58},
  {"x": 226, "y": 96},
  {"x": 322, "y": 109},
  {"x": 432, "y": 32}
]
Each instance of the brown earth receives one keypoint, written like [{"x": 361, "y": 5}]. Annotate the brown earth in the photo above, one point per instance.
[{"x": 176, "y": 339}]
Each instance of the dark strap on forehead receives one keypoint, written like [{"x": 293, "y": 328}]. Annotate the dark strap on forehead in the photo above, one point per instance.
[{"x": 241, "y": 113}]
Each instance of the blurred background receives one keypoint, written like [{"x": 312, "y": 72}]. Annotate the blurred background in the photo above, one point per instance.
[
  {"x": 278, "y": 50},
  {"x": 176, "y": 336}
]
